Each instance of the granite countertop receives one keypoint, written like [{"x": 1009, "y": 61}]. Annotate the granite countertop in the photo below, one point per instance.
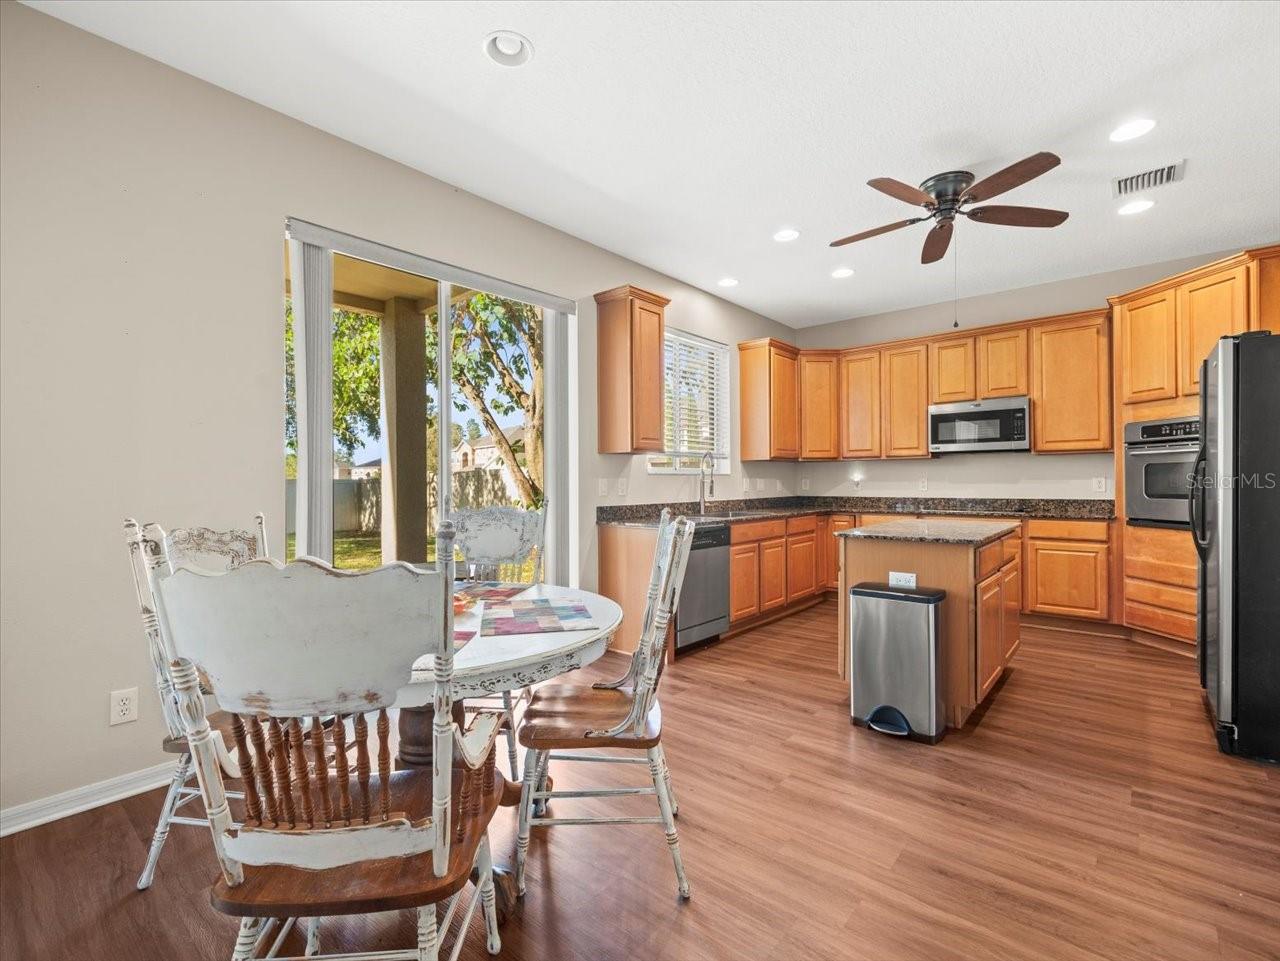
[
  {"x": 765, "y": 508},
  {"x": 933, "y": 531}
]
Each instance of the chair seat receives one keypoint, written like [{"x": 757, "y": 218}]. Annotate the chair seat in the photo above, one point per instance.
[
  {"x": 389, "y": 884},
  {"x": 220, "y": 721},
  {"x": 560, "y": 715}
]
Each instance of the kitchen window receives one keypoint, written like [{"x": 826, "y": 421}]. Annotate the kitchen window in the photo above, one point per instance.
[{"x": 695, "y": 374}]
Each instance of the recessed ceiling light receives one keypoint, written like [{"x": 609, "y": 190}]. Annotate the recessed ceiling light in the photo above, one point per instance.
[
  {"x": 840, "y": 273},
  {"x": 1132, "y": 129},
  {"x": 727, "y": 282},
  {"x": 508, "y": 48},
  {"x": 786, "y": 235},
  {"x": 1136, "y": 207}
]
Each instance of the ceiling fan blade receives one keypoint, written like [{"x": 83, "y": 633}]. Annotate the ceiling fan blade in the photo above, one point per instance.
[
  {"x": 1012, "y": 176},
  {"x": 936, "y": 242},
  {"x": 876, "y": 232},
  {"x": 901, "y": 191},
  {"x": 1017, "y": 216}
]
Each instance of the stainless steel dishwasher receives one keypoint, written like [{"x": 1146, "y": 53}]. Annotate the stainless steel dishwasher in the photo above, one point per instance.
[{"x": 704, "y": 599}]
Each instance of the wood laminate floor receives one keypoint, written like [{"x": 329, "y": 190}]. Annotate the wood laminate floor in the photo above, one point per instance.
[{"x": 1084, "y": 814}]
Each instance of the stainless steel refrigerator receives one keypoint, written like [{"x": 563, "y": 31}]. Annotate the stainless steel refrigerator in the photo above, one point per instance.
[{"x": 1235, "y": 520}]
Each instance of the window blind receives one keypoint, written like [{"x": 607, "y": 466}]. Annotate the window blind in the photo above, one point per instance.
[{"x": 695, "y": 402}]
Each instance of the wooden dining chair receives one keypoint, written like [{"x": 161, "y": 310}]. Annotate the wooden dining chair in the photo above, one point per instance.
[
  {"x": 283, "y": 647},
  {"x": 497, "y": 544},
  {"x": 208, "y": 549},
  {"x": 565, "y": 718}
]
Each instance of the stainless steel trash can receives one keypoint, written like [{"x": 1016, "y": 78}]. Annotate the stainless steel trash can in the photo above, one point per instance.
[{"x": 894, "y": 668}]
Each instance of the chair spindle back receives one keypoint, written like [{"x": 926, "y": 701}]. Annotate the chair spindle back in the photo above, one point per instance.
[{"x": 501, "y": 543}]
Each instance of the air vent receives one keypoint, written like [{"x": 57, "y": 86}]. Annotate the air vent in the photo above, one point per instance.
[{"x": 1148, "y": 179}]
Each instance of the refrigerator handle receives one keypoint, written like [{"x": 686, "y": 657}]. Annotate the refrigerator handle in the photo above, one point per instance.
[{"x": 1196, "y": 500}]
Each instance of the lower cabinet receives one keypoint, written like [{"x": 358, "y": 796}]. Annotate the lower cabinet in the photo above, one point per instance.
[
  {"x": 990, "y": 607},
  {"x": 744, "y": 581},
  {"x": 802, "y": 565},
  {"x": 773, "y": 573},
  {"x": 1068, "y": 578},
  {"x": 1011, "y": 586},
  {"x": 1160, "y": 571},
  {"x": 839, "y": 522}
]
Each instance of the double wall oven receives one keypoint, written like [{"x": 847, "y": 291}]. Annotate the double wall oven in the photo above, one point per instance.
[{"x": 1159, "y": 463}]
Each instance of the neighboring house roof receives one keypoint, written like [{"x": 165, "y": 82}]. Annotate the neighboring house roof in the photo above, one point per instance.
[
  {"x": 514, "y": 435},
  {"x": 376, "y": 462}
]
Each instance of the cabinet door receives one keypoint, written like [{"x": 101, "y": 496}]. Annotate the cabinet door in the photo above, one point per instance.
[
  {"x": 1069, "y": 578},
  {"x": 773, "y": 573},
  {"x": 1209, "y": 308},
  {"x": 1071, "y": 385},
  {"x": 802, "y": 565},
  {"x": 990, "y": 605},
  {"x": 819, "y": 386},
  {"x": 1148, "y": 353},
  {"x": 951, "y": 370},
  {"x": 1002, "y": 364},
  {"x": 646, "y": 376},
  {"x": 1011, "y": 598},
  {"x": 904, "y": 400},
  {"x": 860, "y": 404},
  {"x": 839, "y": 522},
  {"x": 784, "y": 405},
  {"x": 744, "y": 581}
]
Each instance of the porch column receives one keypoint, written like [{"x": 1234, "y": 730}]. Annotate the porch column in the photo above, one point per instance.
[{"x": 404, "y": 405}]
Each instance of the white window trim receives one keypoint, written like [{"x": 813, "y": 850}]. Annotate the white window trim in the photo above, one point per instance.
[{"x": 722, "y": 458}]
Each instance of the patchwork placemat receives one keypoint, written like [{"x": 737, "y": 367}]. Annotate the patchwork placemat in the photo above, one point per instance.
[
  {"x": 460, "y": 638},
  {"x": 489, "y": 590},
  {"x": 534, "y": 616}
]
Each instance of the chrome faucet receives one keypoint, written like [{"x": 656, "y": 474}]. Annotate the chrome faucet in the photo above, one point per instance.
[{"x": 706, "y": 478}]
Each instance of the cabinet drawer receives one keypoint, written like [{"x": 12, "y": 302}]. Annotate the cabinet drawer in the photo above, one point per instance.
[
  {"x": 801, "y": 525},
  {"x": 1161, "y": 555},
  {"x": 1171, "y": 598},
  {"x": 1012, "y": 546},
  {"x": 990, "y": 558},
  {"x": 1160, "y": 621},
  {"x": 1068, "y": 530},
  {"x": 757, "y": 531},
  {"x": 866, "y": 520}
]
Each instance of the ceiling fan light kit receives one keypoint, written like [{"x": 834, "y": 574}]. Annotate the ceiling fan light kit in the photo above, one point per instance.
[{"x": 945, "y": 196}]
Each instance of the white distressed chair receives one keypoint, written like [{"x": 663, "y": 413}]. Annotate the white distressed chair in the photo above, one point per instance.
[
  {"x": 622, "y": 715},
  {"x": 150, "y": 546},
  {"x": 284, "y": 646},
  {"x": 497, "y": 543}
]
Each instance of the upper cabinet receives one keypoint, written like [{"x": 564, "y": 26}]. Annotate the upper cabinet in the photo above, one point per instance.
[
  {"x": 1002, "y": 364},
  {"x": 1071, "y": 384},
  {"x": 769, "y": 400},
  {"x": 1207, "y": 309},
  {"x": 951, "y": 370},
  {"x": 1148, "y": 351},
  {"x": 859, "y": 400},
  {"x": 819, "y": 400},
  {"x": 630, "y": 325},
  {"x": 904, "y": 400}
]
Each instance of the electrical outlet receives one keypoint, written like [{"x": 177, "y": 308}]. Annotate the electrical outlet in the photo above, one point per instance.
[
  {"x": 857, "y": 483},
  {"x": 900, "y": 579},
  {"x": 1100, "y": 485},
  {"x": 779, "y": 486},
  {"x": 622, "y": 487},
  {"x": 746, "y": 483},
  {"x": 124, "y": 706},
  {"x": 759, "y": 483},
  {"x": 604, "y": 487},
  {"x": 804, "y": 483},
  {"x": 924, "y": 483}
]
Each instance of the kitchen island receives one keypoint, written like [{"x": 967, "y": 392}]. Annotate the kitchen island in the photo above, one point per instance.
[{"x": 977, "y": 563}]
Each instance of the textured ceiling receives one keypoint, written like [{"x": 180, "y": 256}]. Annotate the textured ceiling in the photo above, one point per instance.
[{"x": 682, "y": 135}]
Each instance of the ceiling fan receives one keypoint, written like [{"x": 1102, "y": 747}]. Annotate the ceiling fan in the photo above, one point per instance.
[{"x": 945, "y": 195}]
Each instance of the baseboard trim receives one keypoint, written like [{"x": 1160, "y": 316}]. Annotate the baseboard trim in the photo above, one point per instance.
[{"x": 56, "y": 806}]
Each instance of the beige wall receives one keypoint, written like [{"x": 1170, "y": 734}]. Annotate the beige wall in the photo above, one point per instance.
[{"x": 143, "y": 213}]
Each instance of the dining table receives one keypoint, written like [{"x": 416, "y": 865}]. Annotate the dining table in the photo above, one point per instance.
[{"x": 487, "y": 665}]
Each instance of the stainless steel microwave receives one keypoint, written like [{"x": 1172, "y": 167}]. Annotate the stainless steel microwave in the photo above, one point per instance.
[{"x": 1001, "y": 423}]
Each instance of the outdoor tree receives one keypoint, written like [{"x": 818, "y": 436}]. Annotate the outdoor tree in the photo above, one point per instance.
[{"x": 473, "y": 430}]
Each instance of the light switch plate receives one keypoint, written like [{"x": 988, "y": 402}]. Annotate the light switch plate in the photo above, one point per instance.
[
  {"x": 604, "y": 487},
  {"x": 804, "y": 483},
  {"x": 622, "y": 487},
  {"x": 900, "y": 579},
  {"x": 759, "y": 483},
  {"x": 746, "y": 482},
  {"x": 924, "y": 483},
  {"x": 779, "y": 485}
]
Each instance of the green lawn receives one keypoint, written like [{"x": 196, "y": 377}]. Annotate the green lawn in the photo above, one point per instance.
[{"x": 355, "y": 550}]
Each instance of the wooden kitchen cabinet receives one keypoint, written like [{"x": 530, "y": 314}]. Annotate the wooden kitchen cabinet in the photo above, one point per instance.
[
  {"x": 773, "y": 573},
  {"x": 802, "y": 565},
  {"x": 859, "y": 404},
  {"x": 744, "y": 581},
  {"x": 1068, "y": 578},
  {"x": 1161, "y": 568},
  {"x": 839, "y": 522},
  {"x": 1148, "y": 349},
  {"x": 1011, "y": 599},
  {"x": 769, "y": 395},
  {"x": 629, "y": 357},
  {"x": 1071, "y": 384},
  {"x": 990, "y": 640},
  {"x": 819, "y": 395},
  {"x": 951, "y": 370},
  {"x": 1002, "y": 364},
  {"x": 904, "y": 400},
  {"x": 1207, "y": 309}
]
